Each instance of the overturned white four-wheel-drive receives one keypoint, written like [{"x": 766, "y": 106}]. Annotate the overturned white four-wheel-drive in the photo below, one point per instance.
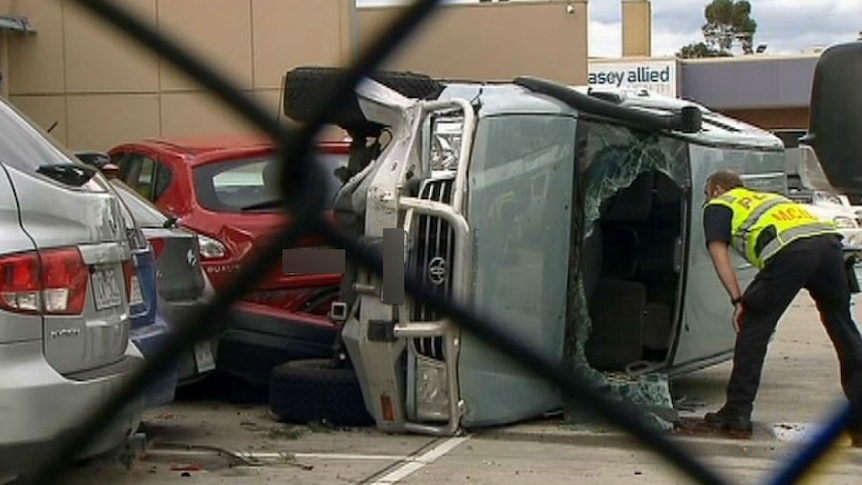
[{"x": 569, "y": 216}]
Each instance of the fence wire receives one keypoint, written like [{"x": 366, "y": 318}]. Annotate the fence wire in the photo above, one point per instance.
[{"x": 301, "y": 176}]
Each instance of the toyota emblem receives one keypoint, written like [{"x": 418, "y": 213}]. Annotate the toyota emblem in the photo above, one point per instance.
[{"x": 437, "y": 270}]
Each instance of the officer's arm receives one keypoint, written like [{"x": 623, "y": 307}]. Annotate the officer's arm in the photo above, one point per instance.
[
  {"x": 717, "y": 225},
  {"x": 720, "y": 253}
]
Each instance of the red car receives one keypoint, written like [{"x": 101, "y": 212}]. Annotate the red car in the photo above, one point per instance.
[{"x": 211, "y": 186}]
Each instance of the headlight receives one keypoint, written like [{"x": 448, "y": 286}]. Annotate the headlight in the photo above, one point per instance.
[
  {"x": 842, "y": 222},
  {"x": 432, "y": 390},
  {"x": 446, "y": 143},
  {"x": 210, "y": 248}
]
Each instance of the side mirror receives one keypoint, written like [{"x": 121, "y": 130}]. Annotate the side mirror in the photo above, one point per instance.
[
  {"x": 93, "y": 159},
  {"x": 110, "y": 171},
  {"x": 835, "y": 124}
]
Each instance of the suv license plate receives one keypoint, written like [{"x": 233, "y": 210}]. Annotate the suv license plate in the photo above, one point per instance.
[
  {"x": 106, "y": 289},
  {"x": 204, "y": 357}
]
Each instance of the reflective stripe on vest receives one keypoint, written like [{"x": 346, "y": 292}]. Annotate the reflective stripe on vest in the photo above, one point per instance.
[
  {"x": 788, "y": 235},
  {"x": 755, "y": 211}
]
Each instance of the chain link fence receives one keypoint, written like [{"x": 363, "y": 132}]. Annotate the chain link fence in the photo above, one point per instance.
[{"x": 300, "y": 178}]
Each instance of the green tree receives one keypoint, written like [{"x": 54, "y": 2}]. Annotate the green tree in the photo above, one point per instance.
[
  {"x": 699, "y": 50},
  {"x": 728, "y": 23}
]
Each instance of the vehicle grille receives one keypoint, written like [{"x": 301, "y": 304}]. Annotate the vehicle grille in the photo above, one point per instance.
[{"x": 433, "y": 244}]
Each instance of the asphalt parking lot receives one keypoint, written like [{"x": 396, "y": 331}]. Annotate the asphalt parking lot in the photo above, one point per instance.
[{"x": 199, "y": 439}]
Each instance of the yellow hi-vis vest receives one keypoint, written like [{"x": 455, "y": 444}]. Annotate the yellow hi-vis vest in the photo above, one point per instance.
[{"x": 755, "y": 211}]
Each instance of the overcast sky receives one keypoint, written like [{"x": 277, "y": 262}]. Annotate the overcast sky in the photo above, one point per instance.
[{"x": 785, "y": 26}]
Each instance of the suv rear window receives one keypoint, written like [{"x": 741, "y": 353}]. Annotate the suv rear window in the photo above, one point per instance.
[
  {"x": 232, "y": 185},
  {"x": 24, "y": 146}
]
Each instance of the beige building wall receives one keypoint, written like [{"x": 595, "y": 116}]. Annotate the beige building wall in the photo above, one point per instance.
[
  {"x": 101, "y": 88},
  {"x": 637, "y": 28},
  {"x": 492, "y": 41},
  {"x": 4, "y": 63}
]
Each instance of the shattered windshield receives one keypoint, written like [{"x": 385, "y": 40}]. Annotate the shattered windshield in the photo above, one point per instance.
[{"x": 624, "y": 291}]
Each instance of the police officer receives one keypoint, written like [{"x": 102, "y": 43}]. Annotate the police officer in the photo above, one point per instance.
[{"x": 793, "y": 250}]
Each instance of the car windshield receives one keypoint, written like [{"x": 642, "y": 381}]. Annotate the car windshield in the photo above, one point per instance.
[
  {"x": 144, "y": 213},
  {"x": 235, "y": 185}
]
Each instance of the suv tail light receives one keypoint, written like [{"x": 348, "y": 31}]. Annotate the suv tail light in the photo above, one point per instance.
[{"x": 54, "y": 285}]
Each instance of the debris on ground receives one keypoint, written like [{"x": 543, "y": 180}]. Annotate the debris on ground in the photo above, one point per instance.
[
  {"x": 290, "y": 459},
  {"x": 649, "y": 392},
  {"x": 687, "y": 404},
  {"x": 699, "y": 427},
  {"x": 286, "y": 433}
]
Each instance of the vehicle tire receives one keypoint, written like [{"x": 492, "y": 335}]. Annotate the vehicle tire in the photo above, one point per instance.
[
  {"x": 306, "y": 88},
  {"x": 309, "y": 390}
]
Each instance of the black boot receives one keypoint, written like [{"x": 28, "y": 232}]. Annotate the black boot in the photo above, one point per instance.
[
  {"x": 726, "y": 419},
  {"x": 855, "y": 432}
]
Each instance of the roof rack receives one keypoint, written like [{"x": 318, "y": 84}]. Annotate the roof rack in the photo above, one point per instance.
[{"x": 688, "y": 119}]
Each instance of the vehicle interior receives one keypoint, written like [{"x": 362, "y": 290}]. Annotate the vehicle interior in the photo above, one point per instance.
[{"x": 632, "y": 265}]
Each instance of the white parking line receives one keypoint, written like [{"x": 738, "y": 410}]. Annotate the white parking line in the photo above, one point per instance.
[
  {"x": 326, "y": 456},
  {"x": 406, "y": 465},
  {"x": 423, "y": 459},
  {"x": 415, "y": 464}
]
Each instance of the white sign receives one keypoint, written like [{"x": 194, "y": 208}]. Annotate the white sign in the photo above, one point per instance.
[{"x": 657, "y": 75}]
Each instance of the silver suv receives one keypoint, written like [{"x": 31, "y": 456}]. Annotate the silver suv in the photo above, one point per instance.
[{"x": 64, "y": 311}]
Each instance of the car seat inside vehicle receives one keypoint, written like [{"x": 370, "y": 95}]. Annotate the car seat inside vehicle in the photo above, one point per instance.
[{"x": 633, "y": 295}]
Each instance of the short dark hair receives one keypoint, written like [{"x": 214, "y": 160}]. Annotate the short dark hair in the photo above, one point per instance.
[{"x": 726, "y": 179}]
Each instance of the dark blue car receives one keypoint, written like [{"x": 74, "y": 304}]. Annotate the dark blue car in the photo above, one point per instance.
[{"x": 148, "y": 330}]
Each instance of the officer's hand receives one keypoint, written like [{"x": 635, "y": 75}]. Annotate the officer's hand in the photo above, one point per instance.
[{"x": 738, "y": 311}]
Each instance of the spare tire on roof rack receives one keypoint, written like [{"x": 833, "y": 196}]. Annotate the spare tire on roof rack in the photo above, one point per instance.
[{"x": 306, "y": 88}]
